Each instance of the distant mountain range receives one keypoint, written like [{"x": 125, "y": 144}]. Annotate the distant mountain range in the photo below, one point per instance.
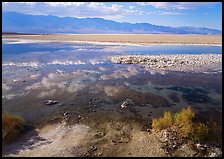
[{"x": 24, "y": 23}]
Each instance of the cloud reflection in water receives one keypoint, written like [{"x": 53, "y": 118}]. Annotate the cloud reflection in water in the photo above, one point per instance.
[{"x": 67, "y": 82}]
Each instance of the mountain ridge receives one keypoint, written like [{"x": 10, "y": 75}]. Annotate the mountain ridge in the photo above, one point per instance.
[{"x": 48, "y": 24}]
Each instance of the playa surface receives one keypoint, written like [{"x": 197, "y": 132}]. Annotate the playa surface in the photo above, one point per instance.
[{"x": 126, "y": 38}]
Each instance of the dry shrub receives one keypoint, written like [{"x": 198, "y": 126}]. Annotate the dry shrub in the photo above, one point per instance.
[
  {"x": 184, "y": 117},
  {"x": 162, "y": 123},
  {"x": 200, "y": 132},
  {"x": 12, "y": 125},
  {"x": 183, "y": 120}
]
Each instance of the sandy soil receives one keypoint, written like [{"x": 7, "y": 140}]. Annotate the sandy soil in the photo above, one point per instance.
[
  {"x": 53, "y": 140},
  {"x": 118, "y": 139},
  {"x": 79, "y": 140},
  {"x": 126, "y": 38}
]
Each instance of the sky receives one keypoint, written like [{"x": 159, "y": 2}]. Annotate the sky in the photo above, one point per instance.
[{"x": 196, "y": 14}]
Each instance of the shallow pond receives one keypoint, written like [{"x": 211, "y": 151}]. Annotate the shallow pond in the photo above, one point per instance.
[{"x": 80, "y": 77}]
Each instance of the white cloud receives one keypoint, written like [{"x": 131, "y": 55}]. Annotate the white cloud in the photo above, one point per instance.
[
  {"x": 66, "y": 62},
  {"x": 159, "y": 12},
  {"x": 121, "y": 73},
  {"x": 28, "y": 3},
  {"x": 10, "y": 96},
  {"x": 171, "y": 13},
  {"x": 35, "y": 76},
  {"x": 177, "y": 5},
  {"x": 5, "y": 87},
  {"x": 47, "y": 93},
  {"x": 66, "y": 82},
  {"x": 24, "y": 64},
  {"x": 68, "y": 9},
  {"x": 95, "y": 61},
  {"x": 131, "y": 7},
  {"x": 111, "y": 90},
  {"x": 102, "y": 68},
  {"x": 64, "y": 4}
]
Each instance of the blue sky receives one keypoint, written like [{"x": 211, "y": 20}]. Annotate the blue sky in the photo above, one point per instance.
[{"x": 197, "y": 14}]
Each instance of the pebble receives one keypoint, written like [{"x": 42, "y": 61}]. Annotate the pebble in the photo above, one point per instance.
[
  {"x": 51, "y": 102},
  {"x": 126, "y": 103},
  {"x": 179, "y": 62},
  {"x": 93, "y": 148},
  {"x": 122, "y": 133}
]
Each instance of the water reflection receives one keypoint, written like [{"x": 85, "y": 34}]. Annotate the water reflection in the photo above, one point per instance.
[
  {"x": 70, "y": 82},
  {"x": 38, "y": 71}
]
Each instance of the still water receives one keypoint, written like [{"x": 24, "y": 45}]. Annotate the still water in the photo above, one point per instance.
[{"x": 78, "y": 75}]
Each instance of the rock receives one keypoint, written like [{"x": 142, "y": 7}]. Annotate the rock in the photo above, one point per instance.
[
  {"x": 213, "y": 155},
  {"x": 201, "y": 147},
  {"x": 93, "y": 148},
  {"x": 66, "y": 113},
  {"x": 168, "y": 62},
  {"x": 216, "y": 152},
  {"x": 126, "y": 103},
  {"x": 87, "y": 155},
  {"x": 100, "y": 154},
  {"x": 99, "y": 134},
  {"x": 51, "y": 102},
  {"x": 198, "y": 145},
  {"x": 122, "y": 132},
  {"x": 24, "y": 81}
]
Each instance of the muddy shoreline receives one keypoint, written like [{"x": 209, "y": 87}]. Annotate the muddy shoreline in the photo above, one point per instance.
[
  {"x": 106, "y": 129},
  {"x": 99, "y": 136}
]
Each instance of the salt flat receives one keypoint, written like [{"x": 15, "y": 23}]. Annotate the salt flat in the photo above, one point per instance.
[{"x": 126, "y": 38}]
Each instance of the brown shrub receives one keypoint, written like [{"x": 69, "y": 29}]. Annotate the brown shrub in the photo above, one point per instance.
[
  {"x": 200, "y": 132},
  {"x": 12, "y": 126},
  {"x": 183, "y": 121},
  {"x": 184, "y": 117},
  {"x": 162, "y": 123}
]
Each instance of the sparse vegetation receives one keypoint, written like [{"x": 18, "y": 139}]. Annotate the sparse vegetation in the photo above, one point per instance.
[
  {"x": 12, "y": 125},
  {"x": 182, "y": 122},
  {"x": 164, "y": 122}
]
